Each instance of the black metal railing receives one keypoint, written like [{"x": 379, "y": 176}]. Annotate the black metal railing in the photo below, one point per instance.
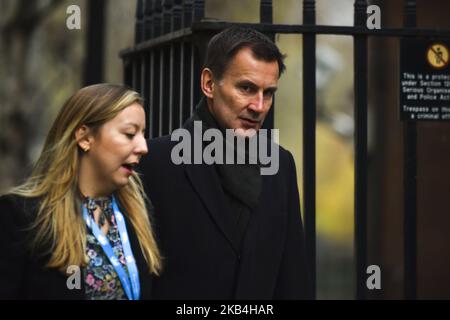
[
  {"x": 164, "y": 65},
  {"x": 410, "y": 186},
  {"x": 360, "y": 80},
  {"x": 309, "y": 139}
]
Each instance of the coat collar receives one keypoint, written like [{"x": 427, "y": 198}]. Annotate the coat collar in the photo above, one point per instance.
[{"x": 206, "y": 183}]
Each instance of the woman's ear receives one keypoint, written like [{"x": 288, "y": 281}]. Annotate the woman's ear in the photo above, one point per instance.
[
  {"x": 84, "y": 138},
  {"x": 207, "y": 83}
]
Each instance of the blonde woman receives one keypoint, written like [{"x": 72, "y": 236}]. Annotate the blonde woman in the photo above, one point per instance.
[{"x": 82, "y": 212}]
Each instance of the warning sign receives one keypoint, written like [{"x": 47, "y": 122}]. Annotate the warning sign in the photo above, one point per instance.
[
  {"x": 437, "y": 55},
  {"x": 424, "y": 80}
]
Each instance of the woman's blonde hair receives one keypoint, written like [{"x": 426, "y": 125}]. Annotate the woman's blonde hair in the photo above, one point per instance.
[{"x": 54, "y": 180}]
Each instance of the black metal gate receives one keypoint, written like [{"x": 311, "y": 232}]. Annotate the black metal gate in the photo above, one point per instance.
[{"x": 164, "y": 65}]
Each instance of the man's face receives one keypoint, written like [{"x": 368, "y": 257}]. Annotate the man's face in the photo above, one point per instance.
[{"x": 244, "y": 95}]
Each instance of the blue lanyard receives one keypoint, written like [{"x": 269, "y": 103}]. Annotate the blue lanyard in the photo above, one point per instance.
[{"x": 132, "y": 290}]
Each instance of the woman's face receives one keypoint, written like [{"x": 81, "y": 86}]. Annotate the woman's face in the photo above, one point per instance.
[{"x": 116, "y": 148}]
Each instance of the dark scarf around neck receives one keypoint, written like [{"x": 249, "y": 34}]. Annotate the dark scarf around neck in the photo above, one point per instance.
[{"x": 241, "y": 181}]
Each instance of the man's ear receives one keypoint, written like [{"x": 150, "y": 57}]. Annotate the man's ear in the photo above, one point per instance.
[
  {"x": 84, "y": 138},
  {"x": 207, "y": 83}
]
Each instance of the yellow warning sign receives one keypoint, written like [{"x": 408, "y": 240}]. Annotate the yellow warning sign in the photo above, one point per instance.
[{"x": 437, "y": 56}]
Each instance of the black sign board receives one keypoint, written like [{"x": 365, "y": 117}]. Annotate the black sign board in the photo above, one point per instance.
[{"x": 424, "y": 80}]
